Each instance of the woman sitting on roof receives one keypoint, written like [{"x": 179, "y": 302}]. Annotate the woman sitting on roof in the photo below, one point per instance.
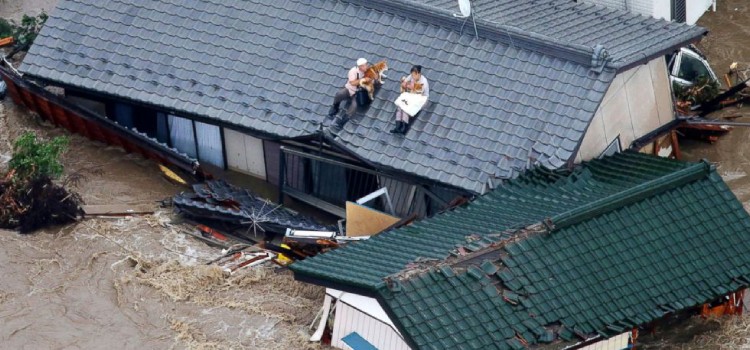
[{"x": 414, "y": 83}]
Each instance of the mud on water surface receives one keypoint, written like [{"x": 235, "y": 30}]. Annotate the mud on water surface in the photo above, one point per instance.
[
  {"x": 135, "y": 282},
  {"x": 728, "y": 41}
]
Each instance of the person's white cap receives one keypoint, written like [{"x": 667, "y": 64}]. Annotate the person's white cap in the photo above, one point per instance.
[{"x": 361, "y": 61}]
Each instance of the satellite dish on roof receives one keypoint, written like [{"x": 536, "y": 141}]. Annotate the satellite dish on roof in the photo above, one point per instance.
[{"x": 465, "y": 7}]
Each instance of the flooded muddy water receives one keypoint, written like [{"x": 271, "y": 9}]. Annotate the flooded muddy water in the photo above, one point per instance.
[
  {"x": 728, "y": 41},
  {"x": 134, "y": 282},
  {"x": 15, "y": 9}
]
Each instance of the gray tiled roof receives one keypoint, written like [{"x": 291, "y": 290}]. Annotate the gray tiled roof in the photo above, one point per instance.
[
  {"x": 273, "y": 67},
  {"x": 628, "y": 37}
]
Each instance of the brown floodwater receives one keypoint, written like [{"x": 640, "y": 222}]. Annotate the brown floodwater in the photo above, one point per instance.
[
  {"x": 135, "y": 282},
  {"x": 728, "y": 41}
]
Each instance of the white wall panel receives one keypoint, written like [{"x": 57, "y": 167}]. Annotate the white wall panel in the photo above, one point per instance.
[
  {"x": 637, "y": 102},
  {"x": 349, "y": 319},
  {"x": 618, "y": 342},
  {"x": 696, "y": 8},
  {"x": 245, "y": 153}
]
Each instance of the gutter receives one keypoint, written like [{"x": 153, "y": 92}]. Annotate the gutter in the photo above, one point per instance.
[
  {"x": 654, "y": 134},
  {"x": 48, "y": 106},
  {"x": 208, "y": 120}
]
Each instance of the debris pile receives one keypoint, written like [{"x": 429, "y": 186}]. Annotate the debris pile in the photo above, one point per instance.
[
  {"x": 218, "y": 201},
  {"x": 29, "y": 197},
  {"x": 703, "y": 90},
  {"x": 241, "y": 256}
]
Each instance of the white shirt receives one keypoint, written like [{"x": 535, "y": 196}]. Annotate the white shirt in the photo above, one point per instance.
[{"x": 423, "y": 81}]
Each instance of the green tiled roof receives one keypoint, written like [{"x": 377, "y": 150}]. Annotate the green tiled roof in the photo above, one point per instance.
[
  {"x": 604, "y": 274},
  {"x": 537, "y": 195}
]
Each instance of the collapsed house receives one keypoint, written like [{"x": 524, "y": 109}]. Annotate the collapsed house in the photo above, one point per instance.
[
  {"x": 245, "y": 86},
  {"x": 563, "y": 257}
]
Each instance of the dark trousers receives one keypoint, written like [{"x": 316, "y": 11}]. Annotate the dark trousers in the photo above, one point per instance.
[{"x": 341, "y": 96}]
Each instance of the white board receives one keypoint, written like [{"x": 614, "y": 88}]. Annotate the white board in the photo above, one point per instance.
[
  {"x": 410, "y": 103},
  {"x": 245, "y": 153}
]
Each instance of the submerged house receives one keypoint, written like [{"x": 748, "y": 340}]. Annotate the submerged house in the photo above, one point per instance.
[
  {"x": 567, "y": 257},
  {"x": 245, "y": 86}
]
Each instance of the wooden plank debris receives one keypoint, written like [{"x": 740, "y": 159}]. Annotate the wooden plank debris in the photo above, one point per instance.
[
  {"x": 117, "y": 209},
  {"x": 364, "y": 221},
  {"x": 6, "y": 41}
]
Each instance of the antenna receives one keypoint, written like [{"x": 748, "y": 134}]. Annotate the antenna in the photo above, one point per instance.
[{"x": 465, "y": 7}]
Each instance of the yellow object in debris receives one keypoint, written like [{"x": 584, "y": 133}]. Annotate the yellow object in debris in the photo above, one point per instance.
[
  {"x": 172, "y": 176},
  {"x": 281, "y": 258}
]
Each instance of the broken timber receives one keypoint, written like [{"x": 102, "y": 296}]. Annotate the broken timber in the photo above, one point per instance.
[{"x": 117, "y": 210}]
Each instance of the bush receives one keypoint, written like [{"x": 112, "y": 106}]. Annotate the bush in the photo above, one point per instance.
[
  {"x": 25, "y": 33},
  {"x": 6, "y": 29},
  {"x": 34, "y": 158},
  {"x": 29, "y": 199}
]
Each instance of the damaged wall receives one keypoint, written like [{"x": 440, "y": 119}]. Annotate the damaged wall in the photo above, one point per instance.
[
  {"x": 638, "y": 101},
  {"x": 357, "y": 313}
]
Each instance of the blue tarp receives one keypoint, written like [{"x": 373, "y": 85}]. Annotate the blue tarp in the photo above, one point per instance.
[{"x": 356, "y": 342}]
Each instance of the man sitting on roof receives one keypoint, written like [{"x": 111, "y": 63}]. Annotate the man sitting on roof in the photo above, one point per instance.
[{"x": 354, "y": 78}]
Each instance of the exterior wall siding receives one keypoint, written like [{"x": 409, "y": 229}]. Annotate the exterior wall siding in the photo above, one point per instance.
[
  {"x": 638, "y": 101},
  {"x": 618, "y": 342},
  {"x": 644, "y": 7},
  {"x": 349, "y": 319},
  {"x": 696, "y": 9},
  {"x": 657, "y": 8}
]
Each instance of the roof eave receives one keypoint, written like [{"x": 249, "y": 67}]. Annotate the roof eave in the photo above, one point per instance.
[
  {"x": 628, "y": 64},
  {"x": 332, "y": 140},
  {"x": 250, "y": 131}
]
